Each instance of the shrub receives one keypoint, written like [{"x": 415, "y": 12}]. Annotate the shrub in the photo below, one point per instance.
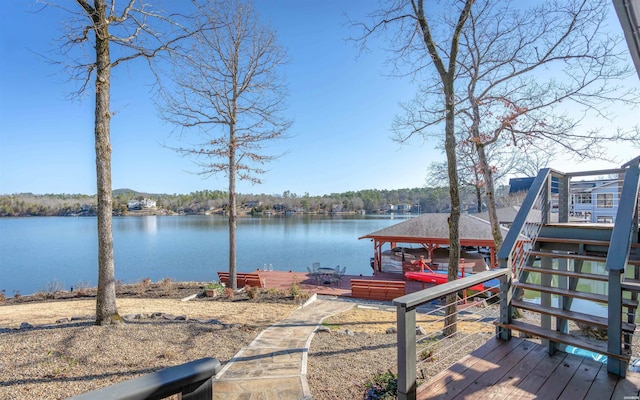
[
  {"x": 3, "y": 296},
  {"x": 382, "y": 387},
  {"x": 81, "y": 288},
  {"x": 295, "y": 289},
  {"x": 52, "y": 287},
  {"x": 252, "y": 292},
  {"x": 217, "y": 288}
]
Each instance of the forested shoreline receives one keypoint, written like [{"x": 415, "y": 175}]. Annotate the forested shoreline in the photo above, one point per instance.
[{"x": 416, "y": 200}]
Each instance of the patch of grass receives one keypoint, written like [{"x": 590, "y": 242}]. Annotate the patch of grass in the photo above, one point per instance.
[
  {"x": 382, "y": 387},
  {"x": 333, "y": 327},
  {"x": 426, "y": 348}
]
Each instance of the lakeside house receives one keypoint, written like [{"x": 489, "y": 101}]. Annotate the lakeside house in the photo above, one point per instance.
[{"x": 141, "y": 204}]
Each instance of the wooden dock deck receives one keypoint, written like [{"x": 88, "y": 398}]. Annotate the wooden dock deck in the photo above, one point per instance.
[
  {"x": 283, "y": 279},
  {"x": 522, "y": 369}
]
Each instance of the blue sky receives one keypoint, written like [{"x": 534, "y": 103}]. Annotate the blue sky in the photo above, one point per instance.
[{"x": 342, "y": 103}]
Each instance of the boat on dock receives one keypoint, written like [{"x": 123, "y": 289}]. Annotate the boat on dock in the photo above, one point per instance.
[{"x": 438, "y": 278}]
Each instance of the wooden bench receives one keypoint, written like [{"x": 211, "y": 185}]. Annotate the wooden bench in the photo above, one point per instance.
[
  {"x": 377, "y": 290},
  {"x": 243, "y": 279}
]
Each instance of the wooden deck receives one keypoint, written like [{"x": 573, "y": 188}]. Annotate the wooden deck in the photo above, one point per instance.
[
  {"x": 283, "y": 279},
  {"x": 522, "y": 369}
]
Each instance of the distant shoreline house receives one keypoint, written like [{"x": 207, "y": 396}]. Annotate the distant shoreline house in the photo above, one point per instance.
[{"x": 141, "y": 204}]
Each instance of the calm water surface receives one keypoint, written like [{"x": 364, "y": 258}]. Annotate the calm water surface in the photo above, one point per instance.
[{"x": 36, "y": 251}]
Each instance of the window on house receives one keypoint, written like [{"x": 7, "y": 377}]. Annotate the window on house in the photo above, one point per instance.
[
  {"x": 583, "y": 198},
  {"x": 605, "y": 200}
]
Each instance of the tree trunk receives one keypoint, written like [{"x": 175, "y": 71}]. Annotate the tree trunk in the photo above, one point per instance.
[
  {"x": 491, "y": 197},
  {"x": 106, "y": 311},
  {"x": 487, "y": 174},
  {"x": 450, "y": 327},
  {"x": 233, "y": 210}
]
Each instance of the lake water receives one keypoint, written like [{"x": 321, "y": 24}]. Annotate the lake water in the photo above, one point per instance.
[{"x": 35, "y": 252}]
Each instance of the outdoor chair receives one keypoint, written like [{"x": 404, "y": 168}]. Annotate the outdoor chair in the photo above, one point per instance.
[
  {"x": 313, "y": 274},
  {"x": 339, "y": 274}
]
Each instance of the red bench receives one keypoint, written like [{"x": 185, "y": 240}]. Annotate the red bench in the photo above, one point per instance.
[
  {"x": 243, "y": 279},
  {"x": 377, "y": 290}
]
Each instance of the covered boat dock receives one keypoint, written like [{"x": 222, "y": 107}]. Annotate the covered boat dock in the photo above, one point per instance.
[{"x": 431, "y": 232}]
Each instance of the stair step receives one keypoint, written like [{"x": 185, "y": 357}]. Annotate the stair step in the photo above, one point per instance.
[
  {"x": 587, "y": 242},
  {"x": 601, "y": 322},
  {"x": 573, "y": 256},
  {"x": 600, "y": 298},
  {"x": 571, "y": 274},
  {"x": 631, "y": 285},
  {"x": 559, "y": 337}
]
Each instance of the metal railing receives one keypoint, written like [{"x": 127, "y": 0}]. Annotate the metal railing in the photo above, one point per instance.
[
  {"x": 617, "y": 258},
  {"x": 406, "y": 313},
  {"x": 569, "y": 197},
  {"x": 193, "y": 381}
]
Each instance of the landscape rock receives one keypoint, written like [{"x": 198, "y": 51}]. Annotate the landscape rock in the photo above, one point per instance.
[
  {"x": 391, "y": 330},
  {"x": 62, "y": 321},
  {"x": 420, "y": 331},
  {"x": 323, "y": 329},
  {"x": 26, "y": 325}
]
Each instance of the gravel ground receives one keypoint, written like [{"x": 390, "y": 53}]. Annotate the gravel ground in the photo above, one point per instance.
[{"x": 59, "y": 360}]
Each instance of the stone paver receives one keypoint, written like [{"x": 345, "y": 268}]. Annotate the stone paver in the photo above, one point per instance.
[{"x": 274, "y": 365}]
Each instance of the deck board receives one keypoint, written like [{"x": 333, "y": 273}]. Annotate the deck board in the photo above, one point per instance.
[
  {"x": 580, "y": 383},
  {"x": 486, "y": 384},
  {"x": 522, "y": 369},
  {"x": 507, "y": 386},
  {"x": 603, "y": 385}
]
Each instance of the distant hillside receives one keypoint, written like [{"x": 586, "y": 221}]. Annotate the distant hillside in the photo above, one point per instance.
[{"x": 416, "y": 200}]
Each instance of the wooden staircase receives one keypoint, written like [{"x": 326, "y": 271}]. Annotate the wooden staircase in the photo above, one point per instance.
[
  {"x": 572, "y": 245},
  {"x": 551, "y": 258}
]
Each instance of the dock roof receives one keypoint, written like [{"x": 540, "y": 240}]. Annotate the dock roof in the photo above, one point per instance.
[{"x": 434, "y": 228}]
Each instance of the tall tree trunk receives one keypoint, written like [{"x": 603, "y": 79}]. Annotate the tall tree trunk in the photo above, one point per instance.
[
  {"x": 491, "y": 197},
  {"x": 487, "y": 175},
  {"x": 233, "y": 210},
  {"x": 478, "y": 191},
  {"x": 450, "y": 325},
  {"x": 106, "y": 311}
]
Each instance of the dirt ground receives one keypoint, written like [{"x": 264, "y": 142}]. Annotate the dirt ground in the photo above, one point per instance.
[{"x": 148, "y": 298}]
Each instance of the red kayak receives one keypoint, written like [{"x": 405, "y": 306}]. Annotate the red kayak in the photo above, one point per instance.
[{"x": 437, "y": 279}]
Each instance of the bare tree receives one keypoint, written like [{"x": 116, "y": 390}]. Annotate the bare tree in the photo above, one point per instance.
[
  {"x": 510, "y": 93},
  {"x": 416, "y": 46},
  {"x": 504, "y": 160},
  {"x": 228, "y": 89},
  {"x": 127, "y": 28}
]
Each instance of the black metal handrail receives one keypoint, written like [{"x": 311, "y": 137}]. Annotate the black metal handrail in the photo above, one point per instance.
[{"x": 192, "y": 380}]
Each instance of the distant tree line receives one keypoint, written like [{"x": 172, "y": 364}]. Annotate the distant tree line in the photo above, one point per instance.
[{"x": 420, "y": 200}]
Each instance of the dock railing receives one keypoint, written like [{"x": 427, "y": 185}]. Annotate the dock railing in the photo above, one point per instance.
[
  {"x": 192, "y": 381},
  {"x": 474, "y": 322}
]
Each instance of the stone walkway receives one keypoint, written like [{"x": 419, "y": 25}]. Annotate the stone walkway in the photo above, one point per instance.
[{"x": 274, "y": 365}]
